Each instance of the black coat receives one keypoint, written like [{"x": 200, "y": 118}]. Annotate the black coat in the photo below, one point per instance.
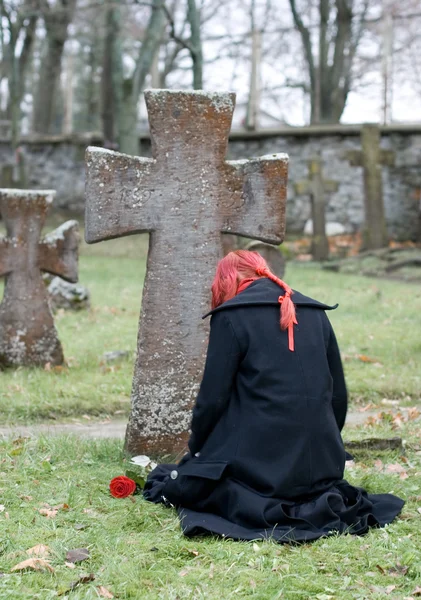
[{"x": 266, "y": 453}]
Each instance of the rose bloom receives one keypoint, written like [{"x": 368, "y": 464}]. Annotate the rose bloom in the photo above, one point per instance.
[{"x": 122, "y": 486}]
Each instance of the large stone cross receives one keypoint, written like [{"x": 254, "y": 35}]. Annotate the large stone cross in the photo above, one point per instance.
[
  {"x": 317, "y": 188},
  {"x": 371, "y": 157},
  {"x": 27, "y": 332},
  {"x": 185, "y": 196}
]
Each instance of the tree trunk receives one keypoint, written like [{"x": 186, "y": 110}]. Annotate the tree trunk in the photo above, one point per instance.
[
  {"x": 111, "y": 79},
  {"x": 196, "y": 52},
  {"x": 127, "y": 115},
  {"x": 330, "y": 79},
  {"x": 57, "y": 20}
]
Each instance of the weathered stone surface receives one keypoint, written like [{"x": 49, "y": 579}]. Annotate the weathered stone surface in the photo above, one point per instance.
[
  {"x": 317, "y": 188},
  {"x": 68, "y": 296},
  {"x": 272, "y": 255},
  {"x": 115, "y": 356},
  {"x": 186, "y": 196},
  {"x": 27, "y": 332},
  {"x": 371, "y": 157},
  {"x": 58, "y": 161}
]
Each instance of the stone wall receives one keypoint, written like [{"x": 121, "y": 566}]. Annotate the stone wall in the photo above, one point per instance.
[{"x": 58, "y": 163}]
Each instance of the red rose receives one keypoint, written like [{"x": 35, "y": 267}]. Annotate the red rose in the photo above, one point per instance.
[{"x": 121, "y": 487}]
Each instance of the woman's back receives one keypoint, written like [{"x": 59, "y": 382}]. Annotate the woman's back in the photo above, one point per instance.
[
  {"x": 266, "y": 455},
  {"x": 278, "y": 431}
]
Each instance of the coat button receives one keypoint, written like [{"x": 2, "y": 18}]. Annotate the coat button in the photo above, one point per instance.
[{"x": 174, "y": 474}]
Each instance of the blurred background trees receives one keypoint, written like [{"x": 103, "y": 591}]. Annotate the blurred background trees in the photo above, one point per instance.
[{"x": 81, "y": 65}]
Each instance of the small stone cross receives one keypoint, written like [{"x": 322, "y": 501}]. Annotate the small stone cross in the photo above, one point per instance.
[
  {"x": 27, "y": 332},
  {"x": 317, "y": 187},
  {"x": 371, "y": 157},
  {"x": 185, "y": 197}
]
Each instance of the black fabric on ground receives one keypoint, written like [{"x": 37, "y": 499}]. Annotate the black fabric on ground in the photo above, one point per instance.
[{"x": 267, "y": 430}]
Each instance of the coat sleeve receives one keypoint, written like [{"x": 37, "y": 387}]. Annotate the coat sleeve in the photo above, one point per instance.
[
  {"x": 222, "y": 361},
  {"x": 340, "y": 394}
]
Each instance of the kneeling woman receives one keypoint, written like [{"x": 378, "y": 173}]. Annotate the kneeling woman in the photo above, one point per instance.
[{"x": 266, "y": 455}]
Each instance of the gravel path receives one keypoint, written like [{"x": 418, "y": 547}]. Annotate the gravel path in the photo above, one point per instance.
[{"x": 113, "y": 429}]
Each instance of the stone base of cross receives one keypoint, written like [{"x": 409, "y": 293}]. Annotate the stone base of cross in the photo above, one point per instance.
[
  {"x": 186, "y": 196},
  {"x": 27, "y": 333}
]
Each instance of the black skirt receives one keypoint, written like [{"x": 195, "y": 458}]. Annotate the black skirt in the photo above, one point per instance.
[{"x": 229, "y": 508}]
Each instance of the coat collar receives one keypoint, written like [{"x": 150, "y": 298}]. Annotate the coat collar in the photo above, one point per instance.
[{"x": 265, "y": 292}]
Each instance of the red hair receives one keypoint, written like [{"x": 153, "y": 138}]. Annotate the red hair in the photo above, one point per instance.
[{"x": 245, "y": 264}]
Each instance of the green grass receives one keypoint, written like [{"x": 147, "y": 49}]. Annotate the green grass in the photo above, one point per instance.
[
  {"x": 376, "y": 318},
  {"x": 137, "y": 549}
]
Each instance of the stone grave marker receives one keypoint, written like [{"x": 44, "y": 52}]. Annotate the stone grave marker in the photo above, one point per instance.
[
  {"x": 272, "y": 255},
  {"x": 317, "y": 188},
  {"x": 186, "y": 196},
  {"x": 371, "y": 157},
  {"x": 27, "y": 332}
]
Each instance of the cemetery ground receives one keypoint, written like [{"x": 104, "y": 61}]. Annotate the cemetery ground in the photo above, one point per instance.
[
  {"x": 54, "y": 490},
  {"x": 375, "y": 326}
]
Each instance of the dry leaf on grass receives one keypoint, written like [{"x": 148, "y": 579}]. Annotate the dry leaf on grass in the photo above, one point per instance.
[
  {"x": 103, "y": 592},
  {"x": 74, "y": 584},
  {"x": 367, "y": 359},
  {"x": 413, "y": 413},
  {"x": 69, "y": 565},
  {"x": 40, "y": 550},
  {"x": 50, "y": 513},
  {"x": 417, "y": 591},
  {"x": 34, "y": 564},
  {"x": 381, "y": 590},
  {"x": 77, "y": 555},
  {"x": 398, "y": 570},
  {"x": 395, "y": 468}
]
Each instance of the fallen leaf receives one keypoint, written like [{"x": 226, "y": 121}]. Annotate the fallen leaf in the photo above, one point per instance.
[
  {"x": 34, "y": 564},
  {"x": 395, "y": 468},
  {"x": 366, "y": 359},
  {"x": 194, "y": 552},
  {"x": 419, "y": 510},
  {"x": 50, "y": 513},
  {"x": 413, "y": 413},
  {"x": 256, "y": 547},
  {"x": 378, "y": 464},
  {"x": 183, "y": 572},
  {"x": 367, "y": 407},
  {"x": 403, "y": 476},
  {"x": 39, "y": 550},
  {"x": 390, "y": 589},
  {"x": 417, "y": 591},
  {"x": 380, "y": 568},
  {"x": 26, "y": 498},
  {"x": 80, "y": 526},
  {"x": 211, "y": 570},
  {"x": 2, "y": 507},
  {"x": 77, "y": 555},
  {"x": 103, "y": 592},
  {"x": 70, "y": 565},
  {"x": 74, "y": 584},
  {"x": 398, "y": 569}
]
